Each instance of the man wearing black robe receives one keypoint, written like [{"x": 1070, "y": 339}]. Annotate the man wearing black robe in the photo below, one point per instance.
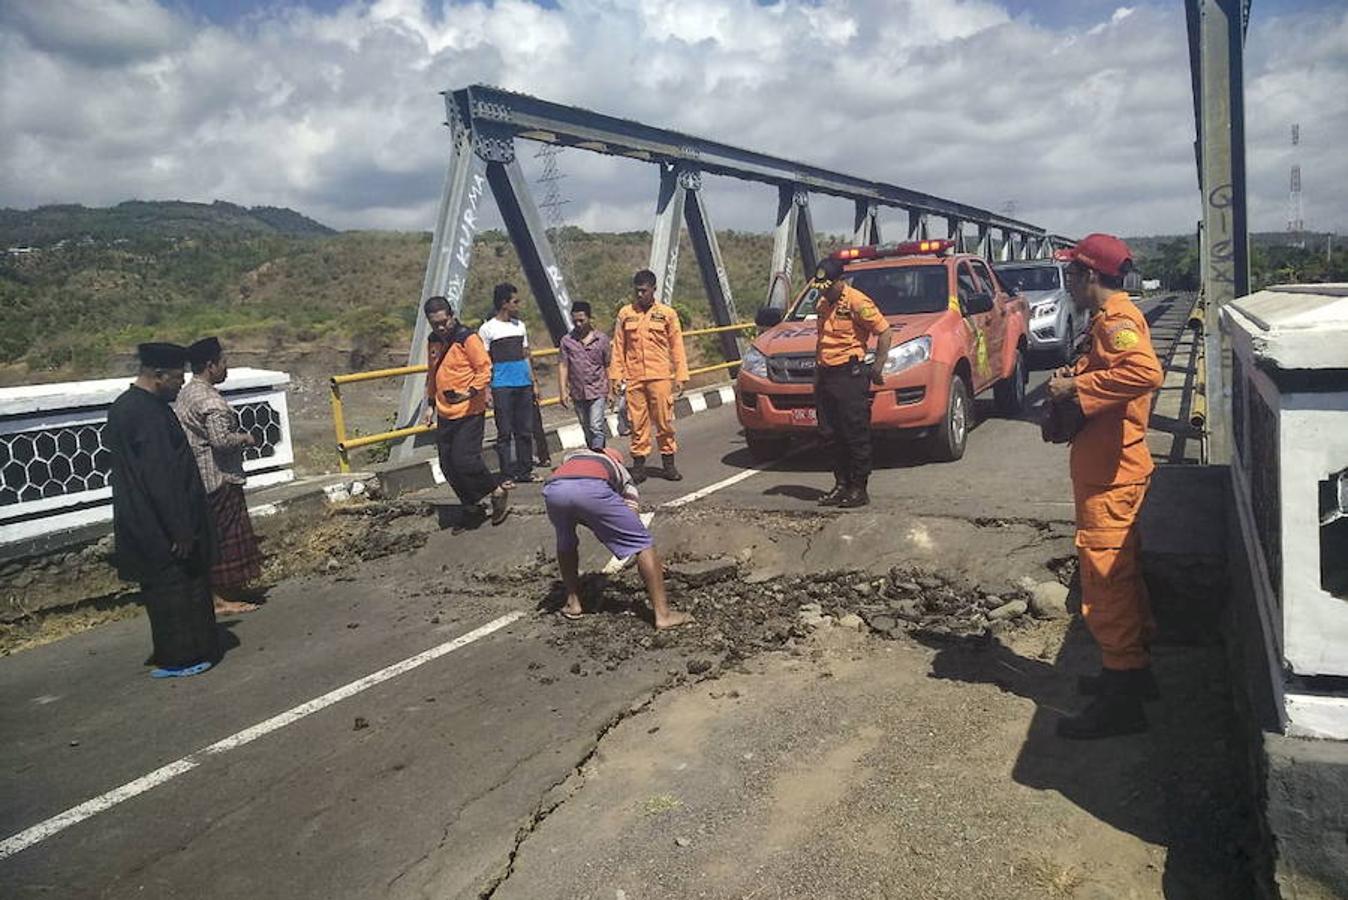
[{"x": 161, "y": 520}]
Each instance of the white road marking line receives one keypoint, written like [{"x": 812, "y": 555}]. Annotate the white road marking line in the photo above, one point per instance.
[
  {"x": 733, "y": 479},
  {"x": 76, "y": 814}
]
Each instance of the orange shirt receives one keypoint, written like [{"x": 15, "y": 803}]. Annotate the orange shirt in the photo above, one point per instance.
[
  {"x": 1115, "y": 381},
  {"x": 464, "y": 365},
  {"x": 648, "y": 346},
  {"x": 844, "y": 329}
]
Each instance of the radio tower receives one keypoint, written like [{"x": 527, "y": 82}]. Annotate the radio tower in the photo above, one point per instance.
[
  {"x": 554, "y": 216},
  {"x": 1295, "y": 224}
]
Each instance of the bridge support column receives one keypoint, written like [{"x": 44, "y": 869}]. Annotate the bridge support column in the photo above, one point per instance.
[
  {"x": 709, "y": 263},
  {"x": 984, "y": 242},
  {"x": 456, "y": 225},
  {"x": 783, "y": 247},
  {"x": 866, "y": 224},
  {"x": 954, "y": 230},
  {"x": 809, "y": 252},
  {"x": 666, "y": 231},
  {"x": 917, "y": 225},
  {"x": 530, "y": 237}
]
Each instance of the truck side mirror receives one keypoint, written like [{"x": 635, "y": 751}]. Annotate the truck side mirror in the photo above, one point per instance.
[
  {"x": 768, "y": 316},
  {"x": 979, "y": 302}
]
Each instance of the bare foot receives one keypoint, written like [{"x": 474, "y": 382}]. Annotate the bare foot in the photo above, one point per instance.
[
  {"x": 673, "y": 620},
  {"x": 232, "y": 608}
]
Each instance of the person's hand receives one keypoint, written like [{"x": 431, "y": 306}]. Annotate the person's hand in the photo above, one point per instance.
[
  {"x": 563, "y": 400},
  {"x": 877, "y": 374},
  {"x": 428, "y": 417},
  {"x": 1061, "y": 386},
  {"x": 490, "y": 404},
  {"x": 249, "y": 439},
  {"x": 180, "y": 551},
  {"x": 678, "y": 388}
]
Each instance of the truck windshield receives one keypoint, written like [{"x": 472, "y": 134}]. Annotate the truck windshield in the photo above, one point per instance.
[
  {"x": 1030, "y": 278},
  {"x": 897, "y": 291}
]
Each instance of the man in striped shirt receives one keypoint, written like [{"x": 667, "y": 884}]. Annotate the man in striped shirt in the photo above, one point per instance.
[{"x": 593, "y": 488}]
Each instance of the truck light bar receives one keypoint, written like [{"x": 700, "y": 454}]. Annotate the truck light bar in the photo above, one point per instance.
[{"x": 902, "y": 248}]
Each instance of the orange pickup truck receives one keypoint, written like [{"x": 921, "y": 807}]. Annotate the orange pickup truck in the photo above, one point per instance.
[{"x": 957, "y": 333}]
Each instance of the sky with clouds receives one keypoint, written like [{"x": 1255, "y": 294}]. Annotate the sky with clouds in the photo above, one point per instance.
[{"x": 1078, "y": 112}]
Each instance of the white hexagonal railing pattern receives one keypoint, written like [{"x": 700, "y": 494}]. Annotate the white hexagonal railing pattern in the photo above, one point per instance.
[{"x": 54, "y": 467}]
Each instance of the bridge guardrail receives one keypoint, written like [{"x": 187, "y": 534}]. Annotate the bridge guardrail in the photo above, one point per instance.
[{"x": 346, "y": 444}]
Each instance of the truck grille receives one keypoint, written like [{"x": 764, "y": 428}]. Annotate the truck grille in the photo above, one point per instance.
[{"x": 791, "y": 368}]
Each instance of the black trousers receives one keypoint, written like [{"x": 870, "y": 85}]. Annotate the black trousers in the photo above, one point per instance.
[
  {"x": 460, "y": 444},
  {"x": 842, "y": 404},
  {"x": 514, "y": 430}
]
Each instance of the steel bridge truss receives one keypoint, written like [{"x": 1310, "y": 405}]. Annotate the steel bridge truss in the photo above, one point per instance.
[{"x": 485, "y": 123}]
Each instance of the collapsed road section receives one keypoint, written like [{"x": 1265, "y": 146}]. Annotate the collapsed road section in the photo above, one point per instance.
[{"x": 849, "y": 716}]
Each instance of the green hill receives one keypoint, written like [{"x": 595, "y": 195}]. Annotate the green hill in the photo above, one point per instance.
[{"x": 136, "y": 220}]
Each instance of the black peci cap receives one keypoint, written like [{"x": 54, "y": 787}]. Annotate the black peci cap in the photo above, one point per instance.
[
  {"x": 204, "y": 351},
  {"x": 156, "y": 355}
]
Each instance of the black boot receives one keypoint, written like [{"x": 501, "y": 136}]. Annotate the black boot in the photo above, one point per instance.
[
  {"x": 1140, "y": 683},
  {"x": 1112, "y": 714},
  {"x": 670, "y": 473},
  {"x": 854, "y": 497},
  {"x": 638, "y": 469},
  {"x": 833, "y": 496}
]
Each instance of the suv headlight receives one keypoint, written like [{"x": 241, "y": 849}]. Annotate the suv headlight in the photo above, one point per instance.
[
  {"x": 754, "y": 362},
  {"x": 907, "y": 355},
  {"x": 1044, "y": 310}
]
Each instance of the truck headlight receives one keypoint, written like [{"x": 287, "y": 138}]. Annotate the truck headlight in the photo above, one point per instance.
[
  {"x": 907, "y": 355},
  {"x": 1044, "y": 310},
  {"x": 754, "y": 362}
]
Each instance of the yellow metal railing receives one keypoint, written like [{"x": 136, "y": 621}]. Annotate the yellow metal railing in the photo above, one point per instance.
[{"x": 346, "y": 444}]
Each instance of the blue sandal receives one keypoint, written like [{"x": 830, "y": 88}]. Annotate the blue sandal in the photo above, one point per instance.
[{"x": 180, "y": 672}]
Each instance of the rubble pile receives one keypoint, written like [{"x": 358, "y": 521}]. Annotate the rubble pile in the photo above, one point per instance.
[{"x": 738, "y": 617}]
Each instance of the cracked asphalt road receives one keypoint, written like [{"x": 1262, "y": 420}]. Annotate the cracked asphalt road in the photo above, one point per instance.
[{"x": 431, "y": 784}]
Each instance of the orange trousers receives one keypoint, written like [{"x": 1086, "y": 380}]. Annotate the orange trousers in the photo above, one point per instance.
[
  {"x": 651, "y": 403},
  {"x": 1114, "y": 599}
]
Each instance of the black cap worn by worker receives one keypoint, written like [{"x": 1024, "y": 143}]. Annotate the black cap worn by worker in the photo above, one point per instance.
[
  {"x": 827, "y": 272},
  {"x": 157, "y": 355},
  {"x": 204, "y": 352}
]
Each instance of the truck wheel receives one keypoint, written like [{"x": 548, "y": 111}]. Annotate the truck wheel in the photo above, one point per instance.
[
  {"x": 946, "y": 442},
  {"x": 1010, "y": 391},
  {"x": 763, "y": 446}
]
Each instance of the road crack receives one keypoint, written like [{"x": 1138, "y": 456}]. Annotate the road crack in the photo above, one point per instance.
[{"x": 566, "y": 787}]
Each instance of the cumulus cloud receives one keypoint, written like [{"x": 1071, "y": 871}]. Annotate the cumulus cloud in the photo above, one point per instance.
[{"x": 1082, "y": 126}]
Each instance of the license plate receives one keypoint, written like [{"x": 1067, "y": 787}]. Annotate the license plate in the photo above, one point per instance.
[{"x": 804, "y": 417}]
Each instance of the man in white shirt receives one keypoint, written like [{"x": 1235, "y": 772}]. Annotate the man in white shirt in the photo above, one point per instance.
[{"x": 512, "y": 385}]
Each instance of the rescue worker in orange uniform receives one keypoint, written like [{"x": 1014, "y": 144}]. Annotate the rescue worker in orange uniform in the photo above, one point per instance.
[
  {"x": 1112, "y": 384},
  {"x": 647, "y": 354},
  {"x": 847, "y": 320},
  {"x": 458, "y": 374}
]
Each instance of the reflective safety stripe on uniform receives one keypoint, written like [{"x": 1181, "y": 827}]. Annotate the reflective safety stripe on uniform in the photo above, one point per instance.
[
  {"x": 1114, "y": 599},
  {"x": 651, "y": 403}
]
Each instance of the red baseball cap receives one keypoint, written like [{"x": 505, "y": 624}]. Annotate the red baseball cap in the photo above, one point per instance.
[{"x": 1104, "y": 253}]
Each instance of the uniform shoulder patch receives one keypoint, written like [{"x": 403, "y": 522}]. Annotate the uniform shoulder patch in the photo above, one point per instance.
[
  {"x": 1124, "y": 338},
  {"x": 866, "y": 312}
]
